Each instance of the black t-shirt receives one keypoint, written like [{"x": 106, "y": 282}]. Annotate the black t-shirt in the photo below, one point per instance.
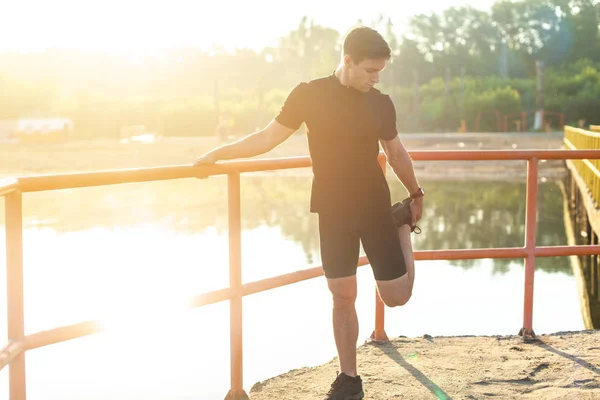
[{"x": 344, "y": 127}]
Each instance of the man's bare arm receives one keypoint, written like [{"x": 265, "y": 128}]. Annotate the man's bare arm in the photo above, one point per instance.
[
  {"x": 251, "y": 145},
  {"x": 401, "y": 163}
]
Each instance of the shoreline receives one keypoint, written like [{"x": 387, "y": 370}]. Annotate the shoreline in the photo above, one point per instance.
[{"x": 105, "y": 154}]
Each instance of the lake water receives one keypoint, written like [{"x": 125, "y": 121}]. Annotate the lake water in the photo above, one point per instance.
[{"x": 133, "y": 254}]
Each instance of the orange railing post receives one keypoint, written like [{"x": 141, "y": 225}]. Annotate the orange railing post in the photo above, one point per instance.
[
  {"x": 379, "y": 334},
  {"x": 530, "y": 245},
  {"x": 14, "y": 291},
  {"x": 235, "y": 282}
]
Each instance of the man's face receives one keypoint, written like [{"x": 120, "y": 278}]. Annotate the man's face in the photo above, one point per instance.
[{"x": 364, "y": 75}]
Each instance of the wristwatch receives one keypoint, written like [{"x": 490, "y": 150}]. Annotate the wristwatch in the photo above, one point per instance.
[{"x": 419, "y": 193}]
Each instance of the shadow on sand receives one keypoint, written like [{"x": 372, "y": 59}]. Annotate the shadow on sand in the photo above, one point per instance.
[
  {"x": 568, "y": 356},
  {"x": 393, "y": 353}
]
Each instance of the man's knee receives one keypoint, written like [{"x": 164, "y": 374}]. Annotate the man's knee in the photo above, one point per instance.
[
  {"x": 343, "y": 301},
  {"x": 396, "y": 292},
  {"x": 396, "y": 299},
  {"x": 343, "y": 291}
]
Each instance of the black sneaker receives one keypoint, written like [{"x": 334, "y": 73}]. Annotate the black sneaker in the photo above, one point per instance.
[
  {"x": 401, "y": 211},
  {"x": 345, "y": 388}
]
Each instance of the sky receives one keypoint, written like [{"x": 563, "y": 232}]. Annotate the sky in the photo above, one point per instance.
[{"x": 149, "y": 26}]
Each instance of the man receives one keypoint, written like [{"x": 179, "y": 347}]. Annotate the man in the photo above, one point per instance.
[{"x": 346, "y": 120}]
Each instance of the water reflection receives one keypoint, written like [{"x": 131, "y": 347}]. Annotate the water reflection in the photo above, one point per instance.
[
  {"x": 472, "y": 215},
  {"x": 458, "y": 214}
]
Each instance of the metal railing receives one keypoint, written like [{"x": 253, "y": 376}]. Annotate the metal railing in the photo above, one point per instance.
[
  {"x": 13, "y": 354},
  {"x": 589, "y": 170}
]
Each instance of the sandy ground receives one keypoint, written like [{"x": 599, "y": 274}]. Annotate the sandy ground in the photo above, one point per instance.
[{"x": 558, "y": 366}]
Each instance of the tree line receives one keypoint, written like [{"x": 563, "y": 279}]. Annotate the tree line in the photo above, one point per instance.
[{"x": 480, "y": 66}]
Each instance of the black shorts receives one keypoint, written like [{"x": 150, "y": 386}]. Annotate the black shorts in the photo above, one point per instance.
[{"x": 340, "y": 246}]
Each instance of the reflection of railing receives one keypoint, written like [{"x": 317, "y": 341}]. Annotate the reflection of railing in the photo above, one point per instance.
[
  {"x": 580, "y": 139},
  {"x": 13, "y": 354}
]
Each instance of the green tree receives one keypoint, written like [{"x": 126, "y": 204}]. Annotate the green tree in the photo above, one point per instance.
[{"x": 310, "y": 51}]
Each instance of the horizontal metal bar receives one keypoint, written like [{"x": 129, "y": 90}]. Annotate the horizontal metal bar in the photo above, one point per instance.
[
  {"x": 69, "y": 332},
  {"x": 288, "y": 279},
  {"x": 499, "y": 155},
  {"x": 508, "y": 252},
  {"x": 62, "y": 334},
  {"x": 138, "y": 175},
  {"x": 113, "y": 177},
  {"x": 422, "y": 255},
  {"x": 470, "y": 254},
  {"x": 48, "y": 337},
  {"x": 102, "y": 178},
  {"x": 216, "y": 296},
  {"x": 281, "y": 280},
  {"x": 8, "y": 185},
  {"x": 562, "y": 251}
]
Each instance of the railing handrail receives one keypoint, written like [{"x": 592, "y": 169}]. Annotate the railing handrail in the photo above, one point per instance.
[
  {"x": 14, "y": 187},
  {"x": 74, "y": 180},
  {"x": 591, "y": 133}
]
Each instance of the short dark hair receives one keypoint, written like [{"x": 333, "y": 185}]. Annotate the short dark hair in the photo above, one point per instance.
[{"x": 363, "y": 43}]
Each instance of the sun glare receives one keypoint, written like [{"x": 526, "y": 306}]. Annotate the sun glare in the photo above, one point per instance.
[
  {"x": 147, "y": 28},
  {"x": 130, "y": 26}
]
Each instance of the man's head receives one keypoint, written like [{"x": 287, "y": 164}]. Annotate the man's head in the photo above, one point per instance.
[{"x": 365, "y": 53}]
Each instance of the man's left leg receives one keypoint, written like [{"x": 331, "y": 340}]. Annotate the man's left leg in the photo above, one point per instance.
[
  {"x": 397, "y": 291},
  {"x": 390, "y": 253}
]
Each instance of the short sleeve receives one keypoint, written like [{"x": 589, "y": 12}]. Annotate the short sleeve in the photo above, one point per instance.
[
  {"x": 292, "y": 112},
  {"x": 388, "y": 119}
]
